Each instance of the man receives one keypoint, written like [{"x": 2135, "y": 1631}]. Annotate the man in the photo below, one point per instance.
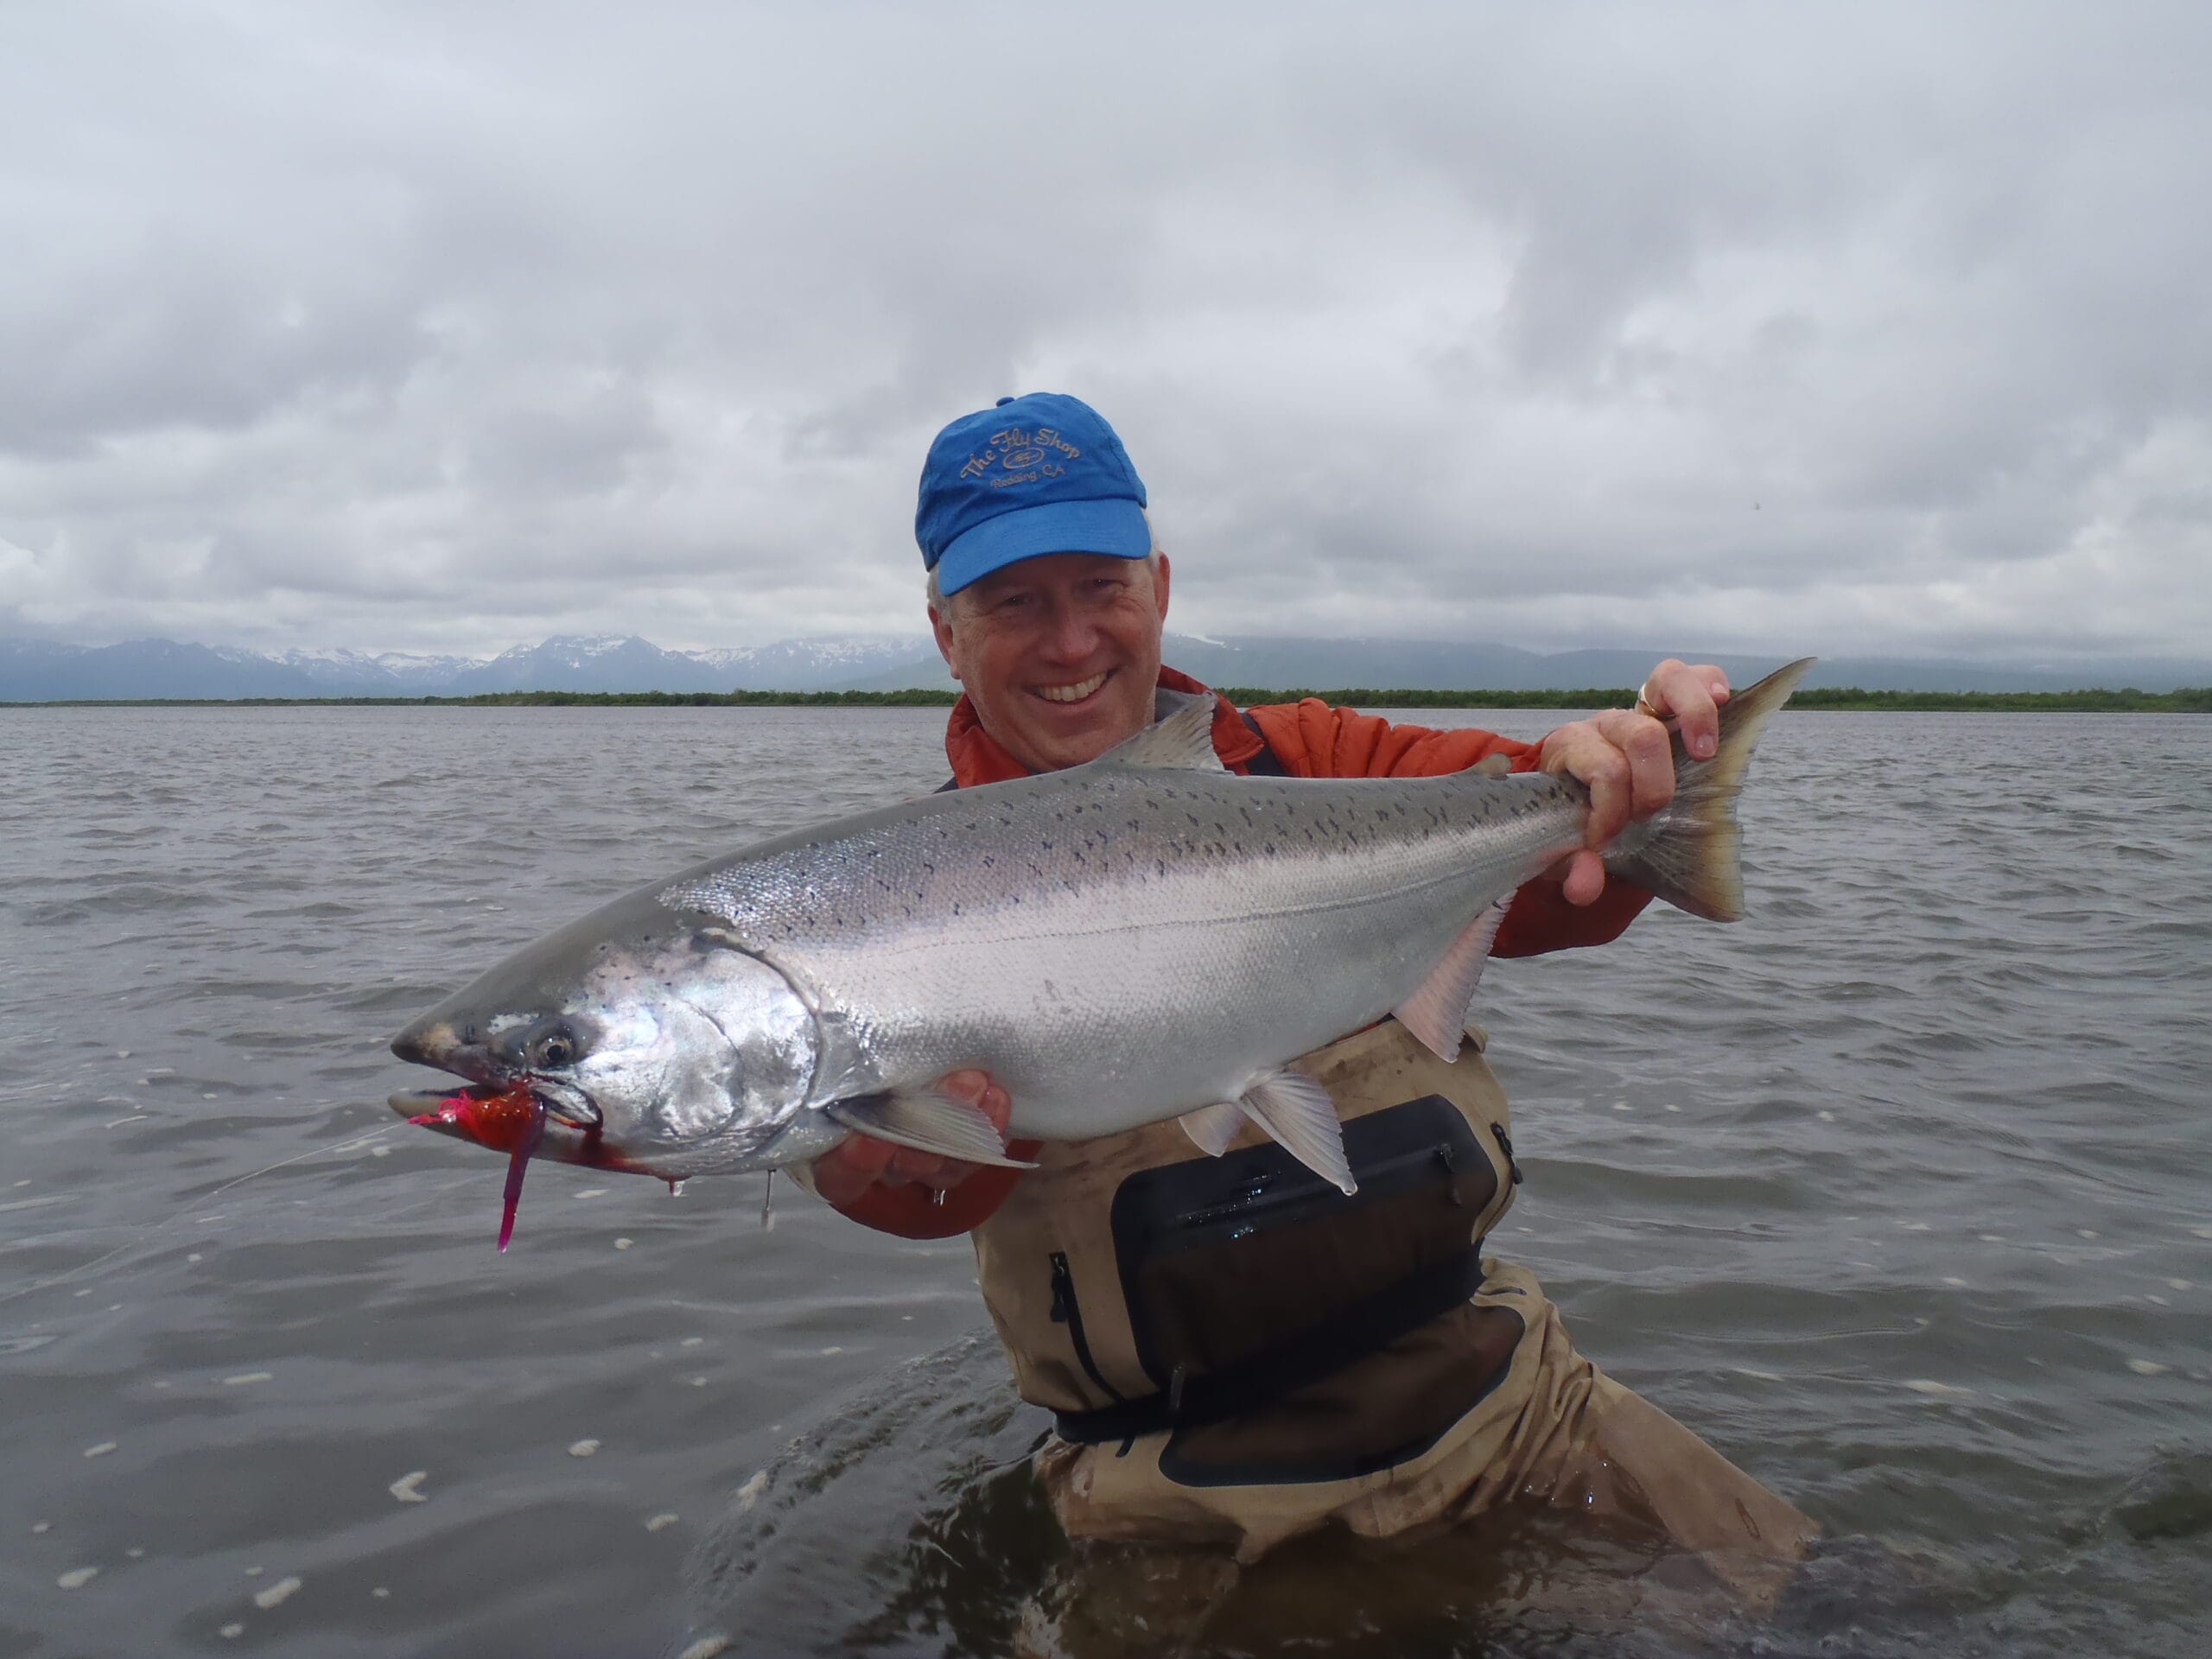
[{"x": 1232, "y": 1354}]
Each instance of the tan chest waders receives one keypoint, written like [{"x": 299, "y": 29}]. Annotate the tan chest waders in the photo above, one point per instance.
[{"x": 1236, "y": 1351}]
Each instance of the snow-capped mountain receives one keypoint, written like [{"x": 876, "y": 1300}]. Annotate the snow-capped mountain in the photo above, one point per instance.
[
  {"x": 35, "y": 670},
  {"x": 817, "y": 664},
  {"x": 610, "y": 662},
  {"x": 407, "y": 673}
]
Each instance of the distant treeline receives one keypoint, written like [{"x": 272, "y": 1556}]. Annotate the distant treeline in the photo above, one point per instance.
[
  {"x": 2189, "y": 699},
  {"x": 2194, "y": 699},
  {"x": 908, "y": 699}
]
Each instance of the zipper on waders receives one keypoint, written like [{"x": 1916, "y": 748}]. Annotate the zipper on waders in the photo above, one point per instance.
[
  {"x": 1263, "y": 1195},
  {"x": 1505, "y": 1145},
  {"x": 1068, "y": 1312}
]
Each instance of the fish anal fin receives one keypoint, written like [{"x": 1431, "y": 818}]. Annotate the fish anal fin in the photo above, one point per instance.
[
  {"x": 1297, "y": 1112},
  {"x": 1437, "y": 1012},
  {"x": 928, "y": 1122},
  {"x": 1212, "y": 1127},
  {"x": 1183, "y": 742}
]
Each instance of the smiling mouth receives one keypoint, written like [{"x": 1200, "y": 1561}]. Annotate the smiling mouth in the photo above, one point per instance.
[{"x": 1075, "y": 693}]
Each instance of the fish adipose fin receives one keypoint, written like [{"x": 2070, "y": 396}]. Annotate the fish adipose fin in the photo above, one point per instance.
[
  {"x": 1183, "y": 742},
  {"x": 928, "y": 1122},
  {"x": 1436, "y": 1013},
  {"x": 1688, "y": 855},
  {"x": 1212, "y": 1127},
  {"x": 1297, "y": 1112}
]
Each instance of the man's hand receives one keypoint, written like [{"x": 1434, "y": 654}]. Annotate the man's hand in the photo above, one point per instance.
[
  {"x": 1623, "y": 756},
  {"x": 859, "y": 1161}
]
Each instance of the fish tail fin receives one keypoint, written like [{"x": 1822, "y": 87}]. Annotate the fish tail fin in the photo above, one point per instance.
[{"x": 1689, "y": 853}]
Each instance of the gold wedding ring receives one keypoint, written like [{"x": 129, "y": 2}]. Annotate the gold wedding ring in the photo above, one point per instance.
[{"x": 1643, "y": 703}]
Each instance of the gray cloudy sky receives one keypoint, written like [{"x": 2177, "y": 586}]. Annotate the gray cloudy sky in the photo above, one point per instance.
[{"x": 433, "y": 327}]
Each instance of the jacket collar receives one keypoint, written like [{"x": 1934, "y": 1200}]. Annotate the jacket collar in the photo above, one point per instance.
[{"x": 977, "y": 759}]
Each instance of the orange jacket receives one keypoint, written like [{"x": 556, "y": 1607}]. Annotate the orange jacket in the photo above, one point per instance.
[{"x": 1311, "y": 740}]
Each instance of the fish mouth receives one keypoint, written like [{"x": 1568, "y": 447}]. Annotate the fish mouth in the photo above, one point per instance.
[
  {"x": 446, "y": 1108},
  {"x": 440, "y": 1043}
]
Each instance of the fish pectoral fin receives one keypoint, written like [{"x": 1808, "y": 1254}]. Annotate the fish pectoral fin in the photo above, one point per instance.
[
  {"x": 1212, "y": 1127},
  {"x": 1437, "y": 1012},
  {"x": 1492, "y": 766},
  {"x": 928, "y": 1122},
  {"x": 1183, "y": 742},
  {"x": 1297, "y": 1112}
]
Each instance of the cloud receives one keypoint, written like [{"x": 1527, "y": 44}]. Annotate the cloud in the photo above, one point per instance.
[{"x": 1865, "y": 328}]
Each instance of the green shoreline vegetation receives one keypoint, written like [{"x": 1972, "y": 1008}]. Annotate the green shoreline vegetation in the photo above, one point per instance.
[{"x": 2196, "y": 699}]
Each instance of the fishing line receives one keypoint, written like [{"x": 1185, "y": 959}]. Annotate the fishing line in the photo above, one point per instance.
[{"x": 142, "y": 1240}]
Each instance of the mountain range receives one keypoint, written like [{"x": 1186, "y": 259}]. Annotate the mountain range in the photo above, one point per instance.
[{"x": 36, "y": 670}]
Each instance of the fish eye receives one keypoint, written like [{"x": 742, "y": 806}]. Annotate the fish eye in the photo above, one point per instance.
[{"x": 555, "y": 1050}]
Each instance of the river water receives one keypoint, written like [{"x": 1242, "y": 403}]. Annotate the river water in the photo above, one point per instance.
[{"x": 1897, "y": 1192}]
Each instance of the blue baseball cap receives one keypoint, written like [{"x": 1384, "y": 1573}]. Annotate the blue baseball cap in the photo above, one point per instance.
[{"x": 1042, "y": 473}]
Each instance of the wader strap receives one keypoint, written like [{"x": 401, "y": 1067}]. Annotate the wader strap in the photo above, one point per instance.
[
  {"x": 1298, "y": 1360},
  {"x": 1266, "y": 763}
]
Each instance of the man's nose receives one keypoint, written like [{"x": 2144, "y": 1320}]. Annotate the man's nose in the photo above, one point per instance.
[{"x": 1069, "y": 633}]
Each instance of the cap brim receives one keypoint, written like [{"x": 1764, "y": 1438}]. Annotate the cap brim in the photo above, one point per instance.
[{"x": 1116, "y": 527}]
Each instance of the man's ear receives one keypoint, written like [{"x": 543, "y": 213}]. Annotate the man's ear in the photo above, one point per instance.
[
  {"x": 1159, "y": 586},
  {"x": 943, "y": 629}
]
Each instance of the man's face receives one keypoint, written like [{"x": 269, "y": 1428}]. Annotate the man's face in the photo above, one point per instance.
[{"x": 1059, "y": 653}]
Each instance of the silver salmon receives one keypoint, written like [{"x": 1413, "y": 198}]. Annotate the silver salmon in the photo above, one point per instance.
[{"x": 1146, "y": 937}]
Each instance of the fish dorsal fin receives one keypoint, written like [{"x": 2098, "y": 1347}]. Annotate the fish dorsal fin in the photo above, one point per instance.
[
  {"x": 1437, "y": 1012},
  {"x": 1182, "y": 741}
]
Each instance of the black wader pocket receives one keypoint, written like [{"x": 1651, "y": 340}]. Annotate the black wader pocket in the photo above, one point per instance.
[{"x": 1294, "y": 1334}]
